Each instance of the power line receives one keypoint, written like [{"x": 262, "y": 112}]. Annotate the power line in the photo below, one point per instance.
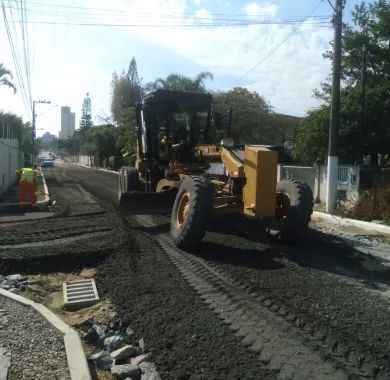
[
  {"x": 16, "y": 60},
  {"x": 26, "y": 48},
  {"x": 276, "y": 47},
  {"x": 185, "y": 26},
  {"x": 87, "y": 19},
  {"x": 146, "y": 14},
  {"x": 170, "y": 17}
]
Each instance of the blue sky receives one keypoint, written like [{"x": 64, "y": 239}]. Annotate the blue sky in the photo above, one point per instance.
[{"x": 282, "y": 62}]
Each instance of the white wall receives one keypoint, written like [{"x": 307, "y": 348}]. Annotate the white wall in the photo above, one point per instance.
[
  {"x": 11, "y": 159},
  {"x": 348, "y": 180},
  {"x": 83, "y": 160}
]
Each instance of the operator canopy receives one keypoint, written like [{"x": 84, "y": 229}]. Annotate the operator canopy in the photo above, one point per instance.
[{"x": 166, "y": 101}]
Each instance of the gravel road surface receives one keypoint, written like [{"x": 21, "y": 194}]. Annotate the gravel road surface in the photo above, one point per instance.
[
  {"x": 37, "y": 349},
  {"x": 322, "y": 297}
]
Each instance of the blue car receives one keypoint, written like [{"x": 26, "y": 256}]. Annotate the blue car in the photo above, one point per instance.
[{"x": 47, "y": 163}]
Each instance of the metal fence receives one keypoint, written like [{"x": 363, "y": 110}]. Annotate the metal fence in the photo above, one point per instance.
[
  {"x": 316, "y": 177},
  {"x": 304, "y": 173},
  {"x": 343, "y": 174}
]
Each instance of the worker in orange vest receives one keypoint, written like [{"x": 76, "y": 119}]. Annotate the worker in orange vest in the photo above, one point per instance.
[{"x": 27, "y": 185}]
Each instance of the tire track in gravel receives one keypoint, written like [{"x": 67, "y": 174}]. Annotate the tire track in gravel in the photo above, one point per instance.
[
  {"x": 40, "y": 238},
  {"x": 49, "y": 241},
  {"x": 292, "y": 353},
  {"x": 302, "y": 284},
  {"x": 81, "y": 232}
]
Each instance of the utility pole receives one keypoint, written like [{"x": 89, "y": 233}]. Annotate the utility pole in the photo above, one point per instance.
[
  {"x": 33, "y": 126},
  {"x": 363, "y": 78},
  {"x": 331, "y": 185}
]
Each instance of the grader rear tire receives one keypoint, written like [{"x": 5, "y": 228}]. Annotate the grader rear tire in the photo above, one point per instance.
[
  {"x": 191, "y": 212},
  {"x": 296, "y": 199}
]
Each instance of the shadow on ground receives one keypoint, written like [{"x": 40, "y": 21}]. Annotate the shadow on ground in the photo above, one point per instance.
[{"x": 319, "y": 250}]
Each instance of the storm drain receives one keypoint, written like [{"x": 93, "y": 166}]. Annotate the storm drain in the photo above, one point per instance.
[{"x": 80, "y": 293}]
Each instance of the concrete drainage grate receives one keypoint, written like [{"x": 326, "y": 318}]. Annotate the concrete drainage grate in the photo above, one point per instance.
[{"x": 80, "y": 293}]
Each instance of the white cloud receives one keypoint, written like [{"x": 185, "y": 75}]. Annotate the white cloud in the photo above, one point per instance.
[
  {"x": 286, "y": 76},
  {"x": 261, "y": 9},
  {"x": 70, "y": 61},
  {"x": 204, "y": 16}
]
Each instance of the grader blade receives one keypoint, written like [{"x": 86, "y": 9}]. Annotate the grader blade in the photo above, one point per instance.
[{"x": 141, "y": 203}]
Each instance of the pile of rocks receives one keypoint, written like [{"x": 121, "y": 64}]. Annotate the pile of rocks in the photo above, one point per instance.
[
  {"x": 14, "y": 282},
  {"x": 124, "y": 360}
]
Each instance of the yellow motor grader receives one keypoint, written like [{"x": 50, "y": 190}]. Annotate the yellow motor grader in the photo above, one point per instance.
[{"x": 181, "y": 171}]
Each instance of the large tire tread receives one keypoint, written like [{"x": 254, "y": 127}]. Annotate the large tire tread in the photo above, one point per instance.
[
  {"x": 295, "y": 225},
  {"x": 201, "y": 197}
]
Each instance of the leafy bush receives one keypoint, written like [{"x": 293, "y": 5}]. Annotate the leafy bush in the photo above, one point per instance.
[{"x": 373, "y": 204}]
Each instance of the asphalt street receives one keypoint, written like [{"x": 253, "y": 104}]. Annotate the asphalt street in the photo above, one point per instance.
[{"x": 328, "y": 300}]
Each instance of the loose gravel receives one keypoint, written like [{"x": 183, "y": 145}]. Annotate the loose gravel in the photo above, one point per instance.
[
  {"x": 187, "y": 341},
  {"x": 322, "y": 282},
  {"x": 37, "y": 349}
]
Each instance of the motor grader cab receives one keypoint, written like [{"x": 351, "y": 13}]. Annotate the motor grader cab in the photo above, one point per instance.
[{"x": 175, "y": 149}]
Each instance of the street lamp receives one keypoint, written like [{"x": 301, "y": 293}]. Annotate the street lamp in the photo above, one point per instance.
[{"x": 33, "y": 125}]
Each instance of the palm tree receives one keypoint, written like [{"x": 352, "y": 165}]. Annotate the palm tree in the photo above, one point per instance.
[
  {"x": 4, "y": 74},
  {"x": 178, "y": 82},
  {"x": 201, "y": 77}
]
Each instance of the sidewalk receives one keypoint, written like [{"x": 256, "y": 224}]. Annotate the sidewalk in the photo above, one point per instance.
[{"x": 9, "y": 203}]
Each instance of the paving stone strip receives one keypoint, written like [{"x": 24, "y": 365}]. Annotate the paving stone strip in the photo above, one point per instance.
[
  {"x": 37, "y": 349},
  {"x": 117, "y": 355}
]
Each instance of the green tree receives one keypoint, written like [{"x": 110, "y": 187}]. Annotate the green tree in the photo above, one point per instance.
[
  {"x": 29, "y": 147},
  {"x": 126, "y": 137},
  {"x": 370, "y": 27},
  {"x": 11, "y": 126},
  {"x": 5, "y": 77},
  {"x": 70, "y": 146},
  {"x": 178, "y": 82},
  {"x": 311, "y": 139},
  {"x": 101, "y": 142},
  {"x": 86, "y": 114},
  {"x": 126, "y": 92},
  {"x": 253, "y": 121}
]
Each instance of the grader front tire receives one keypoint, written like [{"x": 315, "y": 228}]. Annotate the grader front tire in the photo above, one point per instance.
[
  {"x": 295, "y": 201},
  {"x": 191, "y": 212}
]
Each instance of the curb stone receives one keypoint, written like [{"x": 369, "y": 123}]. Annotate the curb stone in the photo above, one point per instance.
[
  {"x": 369, "y": 226},
  {"x": 77, "y": 362},
  {"x": 91, "y": 167},
  {"x": 45, "y": 189}
]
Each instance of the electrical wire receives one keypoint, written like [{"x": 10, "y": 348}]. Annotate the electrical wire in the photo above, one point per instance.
[
  {"x": 26, "y": 54},
  {"x": 47, "y": 110},
  {"x": 26, "y": 95},
  {"x": 122, "y": 11},
  {"x": 130, "y": 15},
  {"x": 88, "y": 19},
  {"x": 189, "y": 26},
  {"x": 262, "y": 60},
  {"x": 16, "y": 60}
]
